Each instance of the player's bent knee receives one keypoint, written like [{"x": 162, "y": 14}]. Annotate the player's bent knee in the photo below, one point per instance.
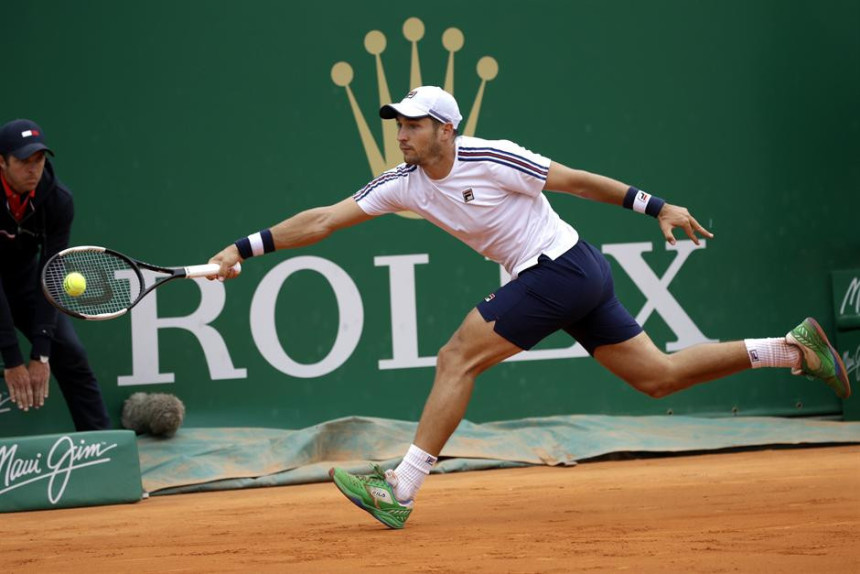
[
  {"x": 656, "y": 390},
  {"x": 448, "y": 358},
  {"x": 656, "y": 385},
  {"x": 453, "y": 361}
]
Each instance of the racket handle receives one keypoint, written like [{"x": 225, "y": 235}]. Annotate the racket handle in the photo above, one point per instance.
[{"x": 193, "y": 271}]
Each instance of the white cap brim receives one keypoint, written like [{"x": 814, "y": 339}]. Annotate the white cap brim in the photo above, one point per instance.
[
  {"x": 391, "y": 111},
  {"x": 422, "y": 102}
]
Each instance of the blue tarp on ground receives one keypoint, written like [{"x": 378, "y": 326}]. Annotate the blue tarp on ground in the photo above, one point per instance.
[{"x": 200, "y": 459}]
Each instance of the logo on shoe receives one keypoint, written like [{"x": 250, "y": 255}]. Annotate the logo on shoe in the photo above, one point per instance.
[{"x": 380, "y": 494}]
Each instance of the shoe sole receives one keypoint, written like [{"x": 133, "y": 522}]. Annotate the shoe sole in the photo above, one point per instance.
[
  {"x": 358, "y": 502},
  {"x": 841, "y": 373}
]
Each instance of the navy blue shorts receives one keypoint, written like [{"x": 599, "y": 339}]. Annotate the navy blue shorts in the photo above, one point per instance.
[{"x": 574, "y": 293}]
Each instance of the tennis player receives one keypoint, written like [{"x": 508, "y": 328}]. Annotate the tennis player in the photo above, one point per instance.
[{"x": 489, "y": 194}]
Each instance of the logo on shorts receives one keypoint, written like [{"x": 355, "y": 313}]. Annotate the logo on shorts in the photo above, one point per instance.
[
  {"x": 468, "y": 195},
  {"x": 490, "y": 297}
]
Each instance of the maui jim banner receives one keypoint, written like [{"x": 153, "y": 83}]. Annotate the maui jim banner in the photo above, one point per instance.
[{"x": 62, "y": 471}]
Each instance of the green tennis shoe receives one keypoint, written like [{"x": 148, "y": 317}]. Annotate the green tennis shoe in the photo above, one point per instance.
[
  {"x": 818, "y": 357},
  {"x": 374, "y": 493}
]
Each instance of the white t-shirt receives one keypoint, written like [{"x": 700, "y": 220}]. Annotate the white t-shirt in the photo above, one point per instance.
[{"x": 492, "y": 200}]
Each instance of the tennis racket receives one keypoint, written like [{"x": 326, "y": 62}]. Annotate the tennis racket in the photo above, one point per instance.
[{"x": 114, "y": 282}]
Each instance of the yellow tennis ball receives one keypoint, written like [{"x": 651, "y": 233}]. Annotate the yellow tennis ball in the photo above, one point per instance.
[{"x": 75, "y": 284}]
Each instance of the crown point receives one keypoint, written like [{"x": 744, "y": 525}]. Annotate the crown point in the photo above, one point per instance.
[
  {"x": 488, "y": 68},
  {"x": 413, "y": 29},
  {"x": 341, "y": 74},
  {"x": 453, "y": 39},
  {"x": 375, "y": 42}
]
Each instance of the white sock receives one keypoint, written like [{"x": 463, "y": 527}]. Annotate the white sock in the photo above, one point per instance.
[
  {"x": 772, "y": 352},
  {"x": 411, "y": 472}
]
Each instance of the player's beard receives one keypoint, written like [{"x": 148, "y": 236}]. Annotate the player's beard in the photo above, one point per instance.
[{"x": 432, "y": 152}]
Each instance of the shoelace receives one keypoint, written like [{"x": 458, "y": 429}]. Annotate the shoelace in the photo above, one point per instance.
[
  {"x": 391, "y": 478},
  {"x": 387, "y": 476}
]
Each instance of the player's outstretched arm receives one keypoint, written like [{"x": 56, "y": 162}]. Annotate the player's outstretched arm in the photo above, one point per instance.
[
  {"x": 304, "y": 228},
  {"x": 585, "y": 184},
  {"x": 607, "y": 190}
]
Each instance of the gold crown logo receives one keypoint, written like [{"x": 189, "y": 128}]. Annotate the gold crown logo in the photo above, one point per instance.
[{"x": 375, "y": 44}]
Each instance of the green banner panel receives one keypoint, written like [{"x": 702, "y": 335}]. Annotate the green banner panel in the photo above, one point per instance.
[
  {"x": 848, "y": 343},
  {"x": 67, "y": 470},
  {"x": 846, "y": 308},
  {"x": 846, "y": 299},
  {"x": 181, "y": 126}
]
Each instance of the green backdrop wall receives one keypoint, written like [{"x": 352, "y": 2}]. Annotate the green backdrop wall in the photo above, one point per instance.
[{"x": 181, "y": 126}]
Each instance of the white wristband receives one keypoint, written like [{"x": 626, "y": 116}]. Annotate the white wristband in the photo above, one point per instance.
[
  {"x": 256, "y": 241},
  {"x": 640, "y": 202}
]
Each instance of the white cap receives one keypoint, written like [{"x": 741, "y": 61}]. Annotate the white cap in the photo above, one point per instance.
[{"x": 425, "y": 101}]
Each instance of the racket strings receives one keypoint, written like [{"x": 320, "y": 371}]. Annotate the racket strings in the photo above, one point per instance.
[{"x": 112, "y": 284}]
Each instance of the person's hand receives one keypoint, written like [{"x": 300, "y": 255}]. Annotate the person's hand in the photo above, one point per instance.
[
  {"x": 227, "y": 258},
  {"x": 18, "y": 382},
  {"x": 672, "y": 216},
  {"x": 40, "y": 376}
]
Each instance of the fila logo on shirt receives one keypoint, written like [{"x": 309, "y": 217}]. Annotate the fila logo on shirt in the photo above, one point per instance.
[{"x": 468, "y": 195}]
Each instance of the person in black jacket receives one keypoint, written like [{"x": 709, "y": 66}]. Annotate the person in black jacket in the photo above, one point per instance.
[{"x": 34, "y": 225}]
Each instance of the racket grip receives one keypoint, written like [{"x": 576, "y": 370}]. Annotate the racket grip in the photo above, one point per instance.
[{"x": 193, "y": 271}]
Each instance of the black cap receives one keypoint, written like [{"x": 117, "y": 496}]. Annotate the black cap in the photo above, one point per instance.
[{"x": 22, "y": 138}]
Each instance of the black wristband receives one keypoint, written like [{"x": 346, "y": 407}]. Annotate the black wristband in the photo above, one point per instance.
[
  {"x": 256, "y": 244},
  {"x": 654, "y": 206},
  {"x": 244, "y": 247},
  {"x": 643, "y": 202}
]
